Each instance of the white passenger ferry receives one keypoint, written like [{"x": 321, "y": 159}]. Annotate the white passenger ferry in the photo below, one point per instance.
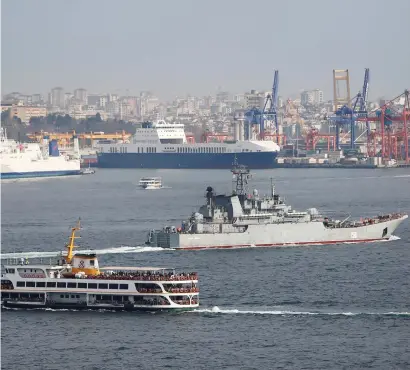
[
  {"x": 150, "y": 183},
  {"x": 77, "y": 282}
]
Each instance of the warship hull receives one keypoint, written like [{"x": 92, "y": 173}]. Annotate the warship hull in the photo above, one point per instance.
[{"x": 278, "y": 235}]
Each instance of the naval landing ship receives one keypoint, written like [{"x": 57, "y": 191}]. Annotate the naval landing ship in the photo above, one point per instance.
[{"x": 243, "y": 220}]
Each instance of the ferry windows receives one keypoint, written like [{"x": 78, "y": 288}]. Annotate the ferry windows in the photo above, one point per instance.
[
  {"x": 11, "y": 271},
  {"x": 51, "y": 284},
  {"x": 82, "y": 285},
  {"x": 40, "y": 284},
  {"x": 60, "y": 285},
  {"x": 30, "y": 284},
  {"x": 102, "y": 286},
  {"x": 113, "y": 286},
  {"x": 21, "y": 284},
  {"x": 92, "y": 285},
  {"x": 123, "y": 286},
  {"x": 71, "y": 285},
  {"x": 61, "y": 295},
  {"x": 91, "y": 262}
]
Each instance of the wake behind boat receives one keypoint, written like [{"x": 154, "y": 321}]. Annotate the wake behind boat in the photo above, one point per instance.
[
  {"x": 77, "y": 282},
  {"x": 243, "y": 220}
]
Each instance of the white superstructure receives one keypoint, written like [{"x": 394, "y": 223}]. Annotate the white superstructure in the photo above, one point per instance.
[
  {"x": 150, "y": 183},
  {"x": 21, "y": 160},
  {"x": 163, "y": 137}
]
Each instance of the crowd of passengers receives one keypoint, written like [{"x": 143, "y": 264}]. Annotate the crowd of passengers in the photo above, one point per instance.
[
  {"x": 169, "y": 290},
  {"x": 122, "y": 275}
]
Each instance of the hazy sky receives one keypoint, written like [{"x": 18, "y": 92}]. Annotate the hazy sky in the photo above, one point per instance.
[{"x": 176, "y": 47}]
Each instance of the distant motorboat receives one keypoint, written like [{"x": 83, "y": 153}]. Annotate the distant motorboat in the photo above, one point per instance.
[
  {"x": 150, "y": 183},
  {"x": 87, "y": 171}
]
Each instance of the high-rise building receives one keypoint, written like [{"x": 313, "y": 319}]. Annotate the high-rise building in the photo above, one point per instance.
[
  {"x": 80, "y": 95},
  {"x": 255, "y": 99},
  {"x": 57, "y": 97},
  {"x": 311, "y": 97},
  {"x": 317, "y": 96},
  {"x": 36, "y": 99}
]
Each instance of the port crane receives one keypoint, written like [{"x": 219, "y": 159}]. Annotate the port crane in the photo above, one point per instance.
[
  {"x": 256, "y": 116},
  {"x": 348, "y": 114}
]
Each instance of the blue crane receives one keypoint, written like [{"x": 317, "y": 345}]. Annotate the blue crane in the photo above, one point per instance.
[
  {"x": 255, "y": 116},
  {"x": 348, "y": 116}
]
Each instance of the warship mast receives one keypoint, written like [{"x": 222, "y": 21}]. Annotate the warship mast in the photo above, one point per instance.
[{"x": 241, "y": 176}]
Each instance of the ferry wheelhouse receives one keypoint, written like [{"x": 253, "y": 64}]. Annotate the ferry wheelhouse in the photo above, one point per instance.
[
  {"x": 150, "y": 183},
  {"x": 76, "y": 281}
]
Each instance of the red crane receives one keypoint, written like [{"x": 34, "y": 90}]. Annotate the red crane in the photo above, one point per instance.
[{"x": 392, "y": 129}]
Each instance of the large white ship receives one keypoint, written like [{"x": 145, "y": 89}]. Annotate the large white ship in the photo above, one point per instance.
[
  {"x": 164, "y": 145},
  {"x": 24, "y": 160}
]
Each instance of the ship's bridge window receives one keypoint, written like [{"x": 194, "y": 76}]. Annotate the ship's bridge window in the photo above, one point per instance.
[{"x": 10, "y": 271}]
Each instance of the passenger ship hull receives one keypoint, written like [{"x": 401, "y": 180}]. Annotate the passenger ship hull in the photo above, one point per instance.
[
  {"x": 84, "y": 306},
  {"x": 255, "y": 160},
  {"x": 278, "y": 235},
  {"x": 27, "y": 175}
]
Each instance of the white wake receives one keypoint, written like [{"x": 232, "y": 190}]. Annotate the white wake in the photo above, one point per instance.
[
  {"x": 217, "y": 310},
  {"x": 116, "y": 250}
]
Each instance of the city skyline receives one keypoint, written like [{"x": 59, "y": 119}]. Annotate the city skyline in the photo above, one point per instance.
[{"x": 106, "y": 47}]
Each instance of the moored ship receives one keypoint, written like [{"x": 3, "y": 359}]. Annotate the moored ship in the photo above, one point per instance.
[
  {"x": 243, "y": 220},
  {"x": 29, "y": 160},
  {"x": 164, "y": 145},
  {"x": 77, "y": 282}
]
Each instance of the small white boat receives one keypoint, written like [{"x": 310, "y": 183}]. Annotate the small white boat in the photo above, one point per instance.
[
  {"x": 87, "y": 171},
  {"x": 150, "y": 183}
]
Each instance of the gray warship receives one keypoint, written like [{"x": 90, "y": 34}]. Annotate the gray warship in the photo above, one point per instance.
[{"x": 243, "y": 219}]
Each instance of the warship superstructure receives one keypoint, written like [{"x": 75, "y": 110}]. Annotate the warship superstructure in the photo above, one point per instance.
[{"x": 242, "y": 220}]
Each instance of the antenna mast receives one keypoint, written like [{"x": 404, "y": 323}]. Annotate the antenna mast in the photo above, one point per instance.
[{"x": 241, "y": 176}]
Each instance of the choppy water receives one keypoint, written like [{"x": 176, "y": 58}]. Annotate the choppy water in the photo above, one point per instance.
[{"x": 345, "y": 306}]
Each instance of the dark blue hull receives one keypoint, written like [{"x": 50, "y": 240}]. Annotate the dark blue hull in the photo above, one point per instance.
[
  {"x": 25, "y": 175},
  {"x": 255, "y": 160}
]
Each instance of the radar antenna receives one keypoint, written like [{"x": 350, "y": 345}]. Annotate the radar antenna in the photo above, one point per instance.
[{"x": 241, "y": 176}]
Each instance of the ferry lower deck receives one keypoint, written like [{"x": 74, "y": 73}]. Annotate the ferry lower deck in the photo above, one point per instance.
[{"x": 88, "y": 301}]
